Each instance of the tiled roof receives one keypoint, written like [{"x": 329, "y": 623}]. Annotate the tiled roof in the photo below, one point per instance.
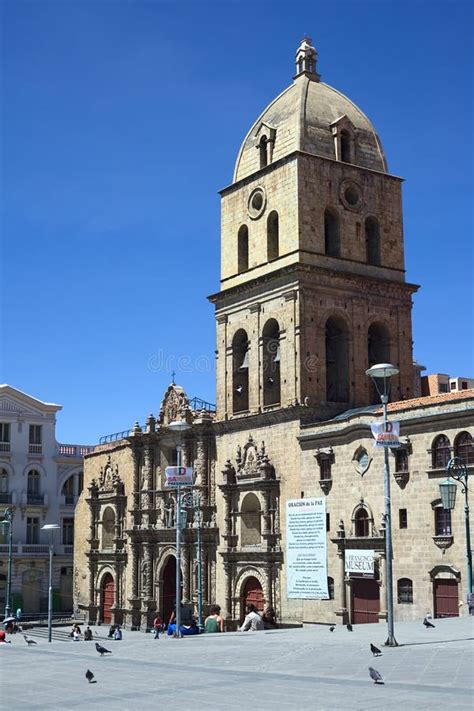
[{"x": 428, "y": 400}]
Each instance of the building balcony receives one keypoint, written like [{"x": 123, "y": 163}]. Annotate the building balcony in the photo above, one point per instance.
[
  {"x": 35, "y": 449},
  {"x": 39, "y": 549},
  {"x": 76, "y": 451},
  {"x": 6, "y": 498},
  {"x": 4, "y": 446},
  {"x": 33, "y": 549},
  {"x": 33, "y": 499}
]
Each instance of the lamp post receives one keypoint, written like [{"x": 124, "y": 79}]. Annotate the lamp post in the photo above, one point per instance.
[
  {"x": 457, "y": 470},
  {"x": 51, "y": 527},
  {"x": 381, "y": 373},
  {"x": 178, "y": 426},
  {"x": 193, "y": 499},
  {"x": 8, "y": 521}
]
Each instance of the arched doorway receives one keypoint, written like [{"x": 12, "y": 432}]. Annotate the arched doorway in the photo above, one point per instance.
[
  {"x": 168, "y": 589},
  {"x": 252, "y": 593},
  {"x": 107, "y": 598}
]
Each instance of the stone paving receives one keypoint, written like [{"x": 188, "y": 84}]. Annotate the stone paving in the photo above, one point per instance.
[{"x": 309, "y": 668}]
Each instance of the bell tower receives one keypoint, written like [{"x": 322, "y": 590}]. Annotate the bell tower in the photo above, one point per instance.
[{"x": 313, "y": 286}]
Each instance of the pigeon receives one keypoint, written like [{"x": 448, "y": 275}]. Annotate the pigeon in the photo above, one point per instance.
[
  {"x": 427, "y": 623},
  {"x": 102, "y": 650},
  {"x": 332, "y": 628},
  {"x": 349, "y": 627},
  {"x": 89, "y": 676},
  {"x": 29, "y": 641},
  {"x": 376, "y": 676},
  {"x": 375, "y": 650}
]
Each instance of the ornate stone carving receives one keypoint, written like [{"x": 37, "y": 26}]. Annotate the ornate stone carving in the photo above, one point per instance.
[{"x": 175, "y": 406}]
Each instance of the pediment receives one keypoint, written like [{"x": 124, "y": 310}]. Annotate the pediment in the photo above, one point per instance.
[{"x": 18, "y": 409}]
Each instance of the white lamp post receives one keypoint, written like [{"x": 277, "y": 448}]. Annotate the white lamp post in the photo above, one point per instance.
[
  {"x": 178, "y": 426},
  {"x": 381, "y": 374},
  {"x": 8, "y": 521},
  {"x": 51, "y": 527}
]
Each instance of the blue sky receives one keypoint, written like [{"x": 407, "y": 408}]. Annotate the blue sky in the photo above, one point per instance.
[{"x": 122, "y": 120}]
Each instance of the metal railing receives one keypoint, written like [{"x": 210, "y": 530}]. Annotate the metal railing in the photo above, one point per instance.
[
  {"x": 35, "y": 448},
  {"x": 37, "y": 499},
  {"x": 4, "y": 446}
]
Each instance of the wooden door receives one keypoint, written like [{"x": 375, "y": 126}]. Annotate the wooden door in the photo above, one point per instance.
[
  {"x": 365, "y": 601},
  {"x": 108, "y": 596},
  {"x": 168, "y": 590},
  {"x": 446, "y": 598},
  {"x": 252, "y": 593}
]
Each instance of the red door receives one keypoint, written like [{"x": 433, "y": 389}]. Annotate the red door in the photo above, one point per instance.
[
  {"x": 169, "y": 589},
  {"x": 108, "y": 596},
  {"x": 365, "y": 601},
  {"x": 252, "y": 594},
  {"x": 446, "y": 598}
]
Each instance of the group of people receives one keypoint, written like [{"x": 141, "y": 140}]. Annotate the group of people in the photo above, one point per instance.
[
  {"x": 214, "y": 622},
  {"x": 115, "y": 632},
  {"x": 76, "y": 633}
]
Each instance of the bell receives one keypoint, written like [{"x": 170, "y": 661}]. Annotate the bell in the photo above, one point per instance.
[
  {"x": 245, "y": 362},
  {"x": 270, "y": 381},
  {"x": 239, "y": 389},
  {"x": 277, "y": 355}
]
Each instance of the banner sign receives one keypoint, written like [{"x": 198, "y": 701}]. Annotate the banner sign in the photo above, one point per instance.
[
  {"x": 179, "y": 476},
  {"x": 387, "y": 435},
  {"x": 359, "y": 563},
  {"x": 306, "y": 549}
]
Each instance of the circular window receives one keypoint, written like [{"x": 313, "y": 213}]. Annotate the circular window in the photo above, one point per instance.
[
  {"x": 256, "y": 204},
  {"x": 351, "y": 195}
]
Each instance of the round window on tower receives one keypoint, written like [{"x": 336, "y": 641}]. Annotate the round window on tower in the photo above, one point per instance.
[
  {"x": 256, "y": 204},
  {"x": 351, "y": 195}
]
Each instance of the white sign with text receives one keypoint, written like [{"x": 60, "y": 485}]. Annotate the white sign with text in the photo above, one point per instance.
[
  {"x": 359, "y": 563},
  {"x": 306, "y": 549}
]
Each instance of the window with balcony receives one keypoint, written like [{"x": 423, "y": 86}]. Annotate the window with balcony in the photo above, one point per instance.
[
  {"x": 68, "y": 532},
  {"x": 4, "y": 436},
  {"x": 5, "y": 496},
  {"x": 32, "y": 530},
  {"x": 442, "y": 521},
  {"x": 35, "y": 439},
  {"x": 34, "y": 487}
]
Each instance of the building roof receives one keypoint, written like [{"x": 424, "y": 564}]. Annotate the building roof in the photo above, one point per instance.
[
  {"x": 6, "y": 390},
  {"x": 429, "y": 400},
  {"x": 302, "y": 117}
]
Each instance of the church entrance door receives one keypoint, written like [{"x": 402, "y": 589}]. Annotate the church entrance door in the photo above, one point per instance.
[
  {"x": 168, "y": 589},
  {"x": 107, "y": 598},
  {"x": 252, "y": 593},
  {"x": 446, "y": 603}
]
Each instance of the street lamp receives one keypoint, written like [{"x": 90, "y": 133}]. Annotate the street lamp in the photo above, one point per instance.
[
  {"x": 193, "y": 499},
  {"x": 457, "y": 470},
  {"x": 51, "y": 527},
  {"x": 8, "y": 521},
  {"x": 381, "y": 374},
  {"x": 178, "y": 426}
]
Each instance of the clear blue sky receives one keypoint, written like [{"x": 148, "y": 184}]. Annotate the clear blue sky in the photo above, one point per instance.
[{"x": 122, "y": 121}]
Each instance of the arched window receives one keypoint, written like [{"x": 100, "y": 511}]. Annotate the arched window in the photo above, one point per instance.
[
  {"x": 361, "y": 523},
  {"x": 463, "y": 448},
  {"x": 240, "y": 372},
  {"x": 271, "y": 363},
  {"x": 263, "y": 150},
  {"x": 108, "y": 526},
  {"x": 405, "y": 591},
  {"x": 4, "y": 487},
  {"x": 378, "y": 351},
  {"x": 372, "y": 241},
  {"x": 345, "y": 146},
  {"x": 332, "y": 245},
  {"x": 273, "y": 248},
  {"x": 250, "y": 521},
  {"x": 33, "y": 487},
  {"x": 68, "y": 490},
  {"x": 441, "y": 452},
  {"x": 243, "y": 249},
  {"x": 337, "y": 361},
  {"x": 331, "y": 588},
  {"x": 442, "y": 521}
]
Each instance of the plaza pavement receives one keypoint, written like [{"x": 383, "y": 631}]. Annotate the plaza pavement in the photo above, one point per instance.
[{"x": 308, "y": 668}]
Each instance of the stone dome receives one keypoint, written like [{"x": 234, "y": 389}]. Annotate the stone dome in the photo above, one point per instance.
[{"x": 308, "y": 116}]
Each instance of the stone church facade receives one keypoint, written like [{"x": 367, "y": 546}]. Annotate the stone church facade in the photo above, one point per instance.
[{"x": 313, "y": 293}]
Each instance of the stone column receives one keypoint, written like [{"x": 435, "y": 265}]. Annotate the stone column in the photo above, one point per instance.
[
  {"x": 136, "y": 486},
  {"x": 147, "y": 484},
  {"x": 266, "y": 529},
  {"x": 228, "y": 589},
  {"x": 148, "y": 587},
  {"x": 134, "y": 567},
  {"x": 341, "y": 587},
  {"x": 255, "y": 371},
  {"x": 201, "y": 462}
]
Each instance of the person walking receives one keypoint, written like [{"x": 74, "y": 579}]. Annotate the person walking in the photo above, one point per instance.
[
  {"x": 157, "y": 627},
  {"x": 253, "y": 620},
  {"x": 214, "y": 622}
]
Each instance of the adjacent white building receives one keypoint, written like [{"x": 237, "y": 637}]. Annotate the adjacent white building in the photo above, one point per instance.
[{"x": 40, "y": 481}]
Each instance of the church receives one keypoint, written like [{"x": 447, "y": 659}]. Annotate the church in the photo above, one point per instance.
[{"x": 312, "y": 294}]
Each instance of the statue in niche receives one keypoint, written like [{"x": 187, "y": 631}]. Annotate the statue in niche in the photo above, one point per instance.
[{"x": 169, "y": 508}]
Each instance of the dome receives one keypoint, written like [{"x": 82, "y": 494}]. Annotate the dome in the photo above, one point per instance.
[{"x": 310, "y": 116}]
